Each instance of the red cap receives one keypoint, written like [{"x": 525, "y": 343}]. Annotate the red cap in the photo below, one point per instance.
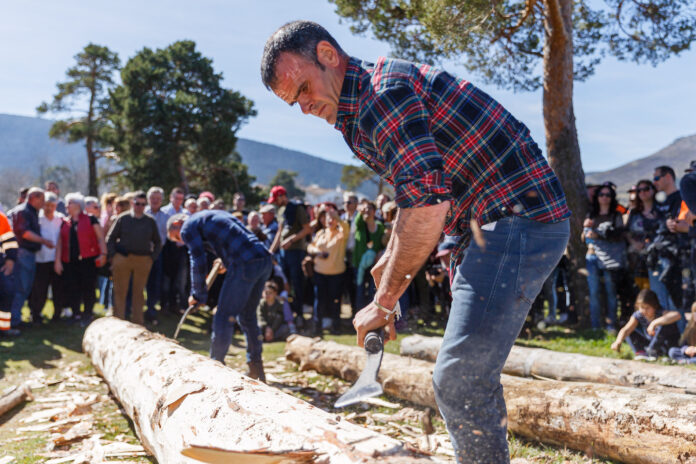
[
  {"x": 276, "y": 192},
  {"x": 208, "y": 195}
]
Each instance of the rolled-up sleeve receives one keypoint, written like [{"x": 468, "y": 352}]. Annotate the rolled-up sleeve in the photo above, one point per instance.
[{"x": 398, "y": 124}]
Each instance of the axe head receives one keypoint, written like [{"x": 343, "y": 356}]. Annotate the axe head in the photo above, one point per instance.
[{"x": 367, "y": 385}]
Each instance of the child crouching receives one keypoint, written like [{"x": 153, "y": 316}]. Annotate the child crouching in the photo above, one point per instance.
[
  {"x": 270, "y": 315},
  {"x": 650, "y": 332}
]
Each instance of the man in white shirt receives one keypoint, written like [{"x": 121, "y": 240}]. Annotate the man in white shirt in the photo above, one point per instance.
[{"x": 50, "y": 221}]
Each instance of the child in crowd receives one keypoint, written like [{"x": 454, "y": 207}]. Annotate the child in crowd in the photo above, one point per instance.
[
  {"x": 270, "y": 315},
  {"x": 650, "y": 331},
  {"x": 685, "y": 352}
]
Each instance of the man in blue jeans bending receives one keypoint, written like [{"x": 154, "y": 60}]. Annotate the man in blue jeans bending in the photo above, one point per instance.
[
  {"x": 248, "y": 265},
  {"x": 458, "y": 161}
]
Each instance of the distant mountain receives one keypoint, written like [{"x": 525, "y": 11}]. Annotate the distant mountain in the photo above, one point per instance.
[
  {"x": 25, "y": 144},
  {"x": 678, "y": 155}
]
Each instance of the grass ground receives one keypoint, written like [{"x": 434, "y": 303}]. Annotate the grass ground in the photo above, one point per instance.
[{"x": 50, "y": 348}]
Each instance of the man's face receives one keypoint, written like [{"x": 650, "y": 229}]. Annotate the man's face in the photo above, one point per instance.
[
  {"x": 155, "y": 201},
  {"x": 661, "y": 181},
  {"x": 53, "y": 187},
  {"x": 37, "y": 200},
  {"x": 254, "y": 222},
  {"x": 281, "y": 200},
  {"x": 49, "y": 208},
  {"x": 350, "y": 204},
  {"x": 239, "y": 203},
  {"x": 139, "y": 205},
  {"x": 177, "y": 200},
  {"x": 92, "y": 208},
  {"x": 267, "y": 218},
  {"x": 317, "y": 91}
]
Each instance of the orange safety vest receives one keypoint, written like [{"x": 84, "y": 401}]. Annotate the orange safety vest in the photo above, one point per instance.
[{"x": 7, "y": 242}]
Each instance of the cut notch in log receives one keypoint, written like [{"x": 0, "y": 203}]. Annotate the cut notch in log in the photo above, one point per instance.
[
  {"x": 556, "y": 365},
  {"x": 178, "y": 399},
  {"x": 622, "y": 423}
]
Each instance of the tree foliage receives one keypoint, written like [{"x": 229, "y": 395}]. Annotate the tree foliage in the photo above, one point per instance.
[
  {"x": 503, "y": 40},
  {"x": 287, "y": 180},
  {"x": 352, "y": 177},
  {"x": 175, "y": 125},
  {"x": 82, "y": 97}
]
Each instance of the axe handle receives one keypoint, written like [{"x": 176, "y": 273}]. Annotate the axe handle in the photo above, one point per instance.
[{"x": 217, "y": 264}]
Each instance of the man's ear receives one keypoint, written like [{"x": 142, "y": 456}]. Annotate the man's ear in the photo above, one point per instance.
[{"x": 327, "y": 54}]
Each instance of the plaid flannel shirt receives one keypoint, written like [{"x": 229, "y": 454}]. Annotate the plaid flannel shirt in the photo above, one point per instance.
[
  {"x": 438, "y": 138},
  {"x": 225, "y": 236}
]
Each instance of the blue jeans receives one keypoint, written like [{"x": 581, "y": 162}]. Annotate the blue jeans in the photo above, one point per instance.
[
  {"x": 239, "y": 296},
  {"x": 492, "y": 292},
  {"x": 24, "y": 270},
  {"x": 660, "y": 289},
  {"x": 292, "y": 266},
  {"x": 677, "y": 353},
  {"x": 594, "y": 273}
]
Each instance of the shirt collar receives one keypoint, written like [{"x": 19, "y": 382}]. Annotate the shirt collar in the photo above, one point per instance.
[{"x": 350, "y": 92}]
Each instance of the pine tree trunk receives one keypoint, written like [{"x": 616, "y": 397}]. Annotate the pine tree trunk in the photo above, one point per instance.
[
  {"x": 181, "y": 400},
  {"x": 526, "y": 362},
  {"x": 562, "y": 138},
  {"x": 626, "y": 424}
]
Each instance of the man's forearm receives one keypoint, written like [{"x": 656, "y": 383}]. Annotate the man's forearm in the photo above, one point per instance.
[
  {"x": 32, "y": 237},
  {"x": 416, "y": 232}
]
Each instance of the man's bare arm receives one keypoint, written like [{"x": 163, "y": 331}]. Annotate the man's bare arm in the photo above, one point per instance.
[
  {"x": 416, "y": 232},
  {"x": 415, "y": 235}
]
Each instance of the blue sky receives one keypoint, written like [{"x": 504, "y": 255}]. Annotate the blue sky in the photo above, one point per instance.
[{"x": 623, "y": 112}]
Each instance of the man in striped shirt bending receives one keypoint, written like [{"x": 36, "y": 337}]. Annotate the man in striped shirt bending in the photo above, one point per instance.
[{"x": 458, "y": 162}]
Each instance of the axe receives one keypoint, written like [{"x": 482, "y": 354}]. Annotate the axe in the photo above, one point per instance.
[
  {"x": 208, "y": 283},
  {"x": 366, "y": 385}
]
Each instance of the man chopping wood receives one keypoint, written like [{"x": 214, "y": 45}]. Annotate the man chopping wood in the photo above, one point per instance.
[
  {"x": 248, "y": 265},
  {"x": 461, "y": 163}
]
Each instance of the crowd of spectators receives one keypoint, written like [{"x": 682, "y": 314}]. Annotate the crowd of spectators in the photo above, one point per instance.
[{"x": 639, "y": 262}]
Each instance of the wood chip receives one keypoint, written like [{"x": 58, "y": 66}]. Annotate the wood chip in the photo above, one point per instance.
[
  {"x": 76, "y": 432},
  {"x": 381, "y": 403}
]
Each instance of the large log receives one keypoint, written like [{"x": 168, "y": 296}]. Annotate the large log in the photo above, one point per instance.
[
  {"x": 526, "y": 362},
  {"x": 627, "y": 424},
  {"x": 179, "y": 400},
  {"x": 14, "y": 398}
]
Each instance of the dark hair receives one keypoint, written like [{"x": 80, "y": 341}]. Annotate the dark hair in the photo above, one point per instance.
[
  {"x": 298, "y": 37},
  {"x": 594, "y": 211},
  {"x": 176, "y": 190},
  {"x": 648, "y": 297},
  {"x": 140, "y": 194},
  {"x": 272, "y": 285},
  {"x": 664, "y": 170},
  {"x": 639, "y": 202}
]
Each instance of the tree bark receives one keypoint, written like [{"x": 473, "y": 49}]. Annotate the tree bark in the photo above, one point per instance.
[
  {"x": 526, "y": 362},
  {"x": 180, "y": 400},
  {"x": 626, "y": 424},
  {"x": 562, "y": 138},
  {"x": 15, "y": 398}
]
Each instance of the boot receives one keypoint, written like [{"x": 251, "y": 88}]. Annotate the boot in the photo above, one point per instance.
[{"x": 256, "y": 371}]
